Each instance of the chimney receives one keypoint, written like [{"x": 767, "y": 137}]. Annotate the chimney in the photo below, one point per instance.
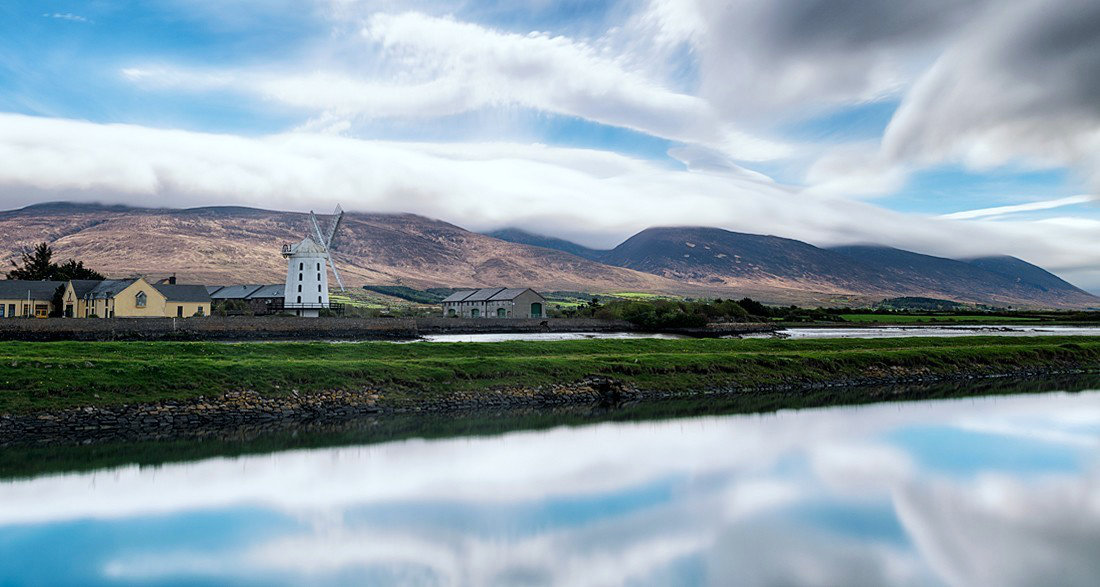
[{"x": 172, "y": 280}]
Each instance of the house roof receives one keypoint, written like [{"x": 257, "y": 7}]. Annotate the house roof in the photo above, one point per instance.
[
  {"x": 183, "y": 293},
  {"x": 484, "y": 294},
  {"x": 235, "y": 292},
  {"x": 82, "y": 286},
  {"x": 459, "y": 296},
  {"x": 488, "y": 294},
  {"x": 210, "y": 289},
  {"x": 511, "y": 294},
  {"x": 109, "y": 287},
  {"x": 277, "y": 290},
  {"x": 11, "y": 289}
]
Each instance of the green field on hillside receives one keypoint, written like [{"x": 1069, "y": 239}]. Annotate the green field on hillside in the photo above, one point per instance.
[
  {"x": 924, "y": 318},
  {"x": 67, "y": 374}
]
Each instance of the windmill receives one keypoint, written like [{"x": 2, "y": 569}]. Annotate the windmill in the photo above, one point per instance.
[
  {"x": 325, "y": 239},
  {"x": 306, "y": 292}
]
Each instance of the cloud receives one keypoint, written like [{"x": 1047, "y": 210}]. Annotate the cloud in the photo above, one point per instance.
[
  {"x": 773, "y": 57},
  {"x": 428, "y": 67},
  {"x": 65, "y": 16},
  {"x": 477, "y": 185},
  {"x": 1017, "y": 208},
  {"x": 1022, "y": 85}
]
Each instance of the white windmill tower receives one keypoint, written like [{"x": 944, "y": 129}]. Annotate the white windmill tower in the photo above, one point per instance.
[{"x": 307, "y": 269}]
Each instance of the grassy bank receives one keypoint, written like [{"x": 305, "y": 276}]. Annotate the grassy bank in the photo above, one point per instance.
[{"x": 44, "y": 376}]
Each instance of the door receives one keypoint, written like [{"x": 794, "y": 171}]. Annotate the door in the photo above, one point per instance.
[
  {"x": 68, "y": 310},
  {"x": 536, "y": 310},
  {"x": 501, "y": 313},
  {"x": 475, "y": 313}
]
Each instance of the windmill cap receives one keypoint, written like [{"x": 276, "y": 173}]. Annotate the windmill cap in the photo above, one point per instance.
[{"x": 307, "y": 246}]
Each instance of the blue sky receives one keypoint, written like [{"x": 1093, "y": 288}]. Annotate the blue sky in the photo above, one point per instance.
[{"x": 832, "y": 123}]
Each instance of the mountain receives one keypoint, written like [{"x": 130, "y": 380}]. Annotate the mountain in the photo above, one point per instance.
[
  {"x": 221, "y": 245},
  {"x": 226, "y": 245},
  {"x": 1000, "y": 281},
  {"x": 516, "y": 235},
  {"x": 723, "y": 259}
]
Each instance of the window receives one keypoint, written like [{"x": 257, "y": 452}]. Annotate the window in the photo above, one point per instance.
[
  {"x": 501, "y": 312},
  {"x": 318, "y": 266},
  {"x": 299, "y": 299},
  {"x": 299, "y": 287},
  {"x": 318, "y": 277},
  {"x": 301, "y": 266},
  {"x": 11, "y": 310},
  {"x": 201, "y": 311},
  {"x": 139, "y": 299},
  {"x": 1, "y": 310},
  {"x": 475, "y": 313},
  {"x": 179, "y": 311},
  {"x": 318, "y": 288},
  {"x": 299, "y": 277},
  {"x": 318, "y": 299},
  {"x": 451, "y": 312}
]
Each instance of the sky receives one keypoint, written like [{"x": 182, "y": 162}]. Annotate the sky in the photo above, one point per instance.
[{"x": 957, "y": 128}]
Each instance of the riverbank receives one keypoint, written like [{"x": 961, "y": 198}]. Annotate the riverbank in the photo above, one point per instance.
[
  {"x": 72, "y": 391},
  {"x": 288, "y": 328}
]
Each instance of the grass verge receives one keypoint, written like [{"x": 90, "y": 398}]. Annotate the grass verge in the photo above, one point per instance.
[{"x": 46, "y": 376}]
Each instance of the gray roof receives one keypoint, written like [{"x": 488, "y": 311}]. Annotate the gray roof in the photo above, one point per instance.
[
  {"x": 210, "y": 289},
  {"x": 17, "y": 289},
  {"x": 81, "y": 287},
  {"x": 109, "y": 287},
  {"x": 269, "y": 291},
  {"x": 511, "y": 294},
  {"x": 183, "y": 293},
  {"x": 484, "y": 294},
  {"x": 235, "y": 292},
  {"x": 459, "y": 296},
  {"x": 488, "y": 294}
]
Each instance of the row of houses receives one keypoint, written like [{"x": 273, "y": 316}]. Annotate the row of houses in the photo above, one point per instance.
[
  {"x": 108, "y": 298},
  {"x": 495, "y": 302},
  {"x": 138, "y": 297}
]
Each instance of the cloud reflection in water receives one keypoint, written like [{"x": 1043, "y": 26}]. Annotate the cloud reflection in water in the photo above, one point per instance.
[{"x": 1002, "y": 491}]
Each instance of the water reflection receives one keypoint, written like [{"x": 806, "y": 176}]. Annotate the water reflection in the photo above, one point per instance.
[{"x": 991, "y": 491}]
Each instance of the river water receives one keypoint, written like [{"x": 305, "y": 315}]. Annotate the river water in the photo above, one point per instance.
[
  {"x": 1001, "y": 490},
  {"x": 795, "y": 332}
]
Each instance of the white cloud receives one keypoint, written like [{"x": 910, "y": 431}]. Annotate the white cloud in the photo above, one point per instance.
[
  {"x": 428, "y": 67},
  {"x": 477, "y": 185},
  {"x": 1017, "y": 208},
  {"x": 1019, "y": 87},
  {"x": 65, "y": 16}
]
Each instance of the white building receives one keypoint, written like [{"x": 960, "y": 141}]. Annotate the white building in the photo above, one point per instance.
[{"x": 306, "y": 278}]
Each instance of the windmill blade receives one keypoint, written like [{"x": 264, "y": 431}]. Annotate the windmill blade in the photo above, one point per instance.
[
  {"x": 337, "y": 216},
  {"x": 316, "y": 228},
  {"x": 335, "y": 273}
]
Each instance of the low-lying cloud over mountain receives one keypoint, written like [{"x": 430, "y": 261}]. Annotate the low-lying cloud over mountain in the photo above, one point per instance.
[
  {"x": 972, "y": 124},
  {"x": 229, "y": 245}
]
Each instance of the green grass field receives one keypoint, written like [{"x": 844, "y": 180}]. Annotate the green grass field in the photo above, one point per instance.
[
  {"x": 36, "y": 376},
  {"x": 918, "y": 319}
]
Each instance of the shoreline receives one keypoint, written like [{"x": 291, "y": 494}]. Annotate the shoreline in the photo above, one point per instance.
[{"x": 235, "y": 413}]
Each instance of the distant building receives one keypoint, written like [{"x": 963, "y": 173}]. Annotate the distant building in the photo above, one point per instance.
[
  {"x": 27, "y": 299},
  {"x": 134, "y": 298},
  {"x": 260, "y": 299},
  {"x": 495, "y": 302}
]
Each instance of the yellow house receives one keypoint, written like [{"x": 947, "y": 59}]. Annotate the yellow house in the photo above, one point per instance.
[
  {"x": 25, "y": 299},
  {"x": 134, "y": 298}
]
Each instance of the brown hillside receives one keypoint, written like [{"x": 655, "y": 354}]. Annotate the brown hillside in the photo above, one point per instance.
[{"x": 241, "y": 245}]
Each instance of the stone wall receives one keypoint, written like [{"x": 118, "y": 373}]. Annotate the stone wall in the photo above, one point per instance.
[{"x": 283, "y": 327}]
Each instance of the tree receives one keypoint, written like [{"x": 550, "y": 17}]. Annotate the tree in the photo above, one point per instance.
[{"x": 38, "y": 265}]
